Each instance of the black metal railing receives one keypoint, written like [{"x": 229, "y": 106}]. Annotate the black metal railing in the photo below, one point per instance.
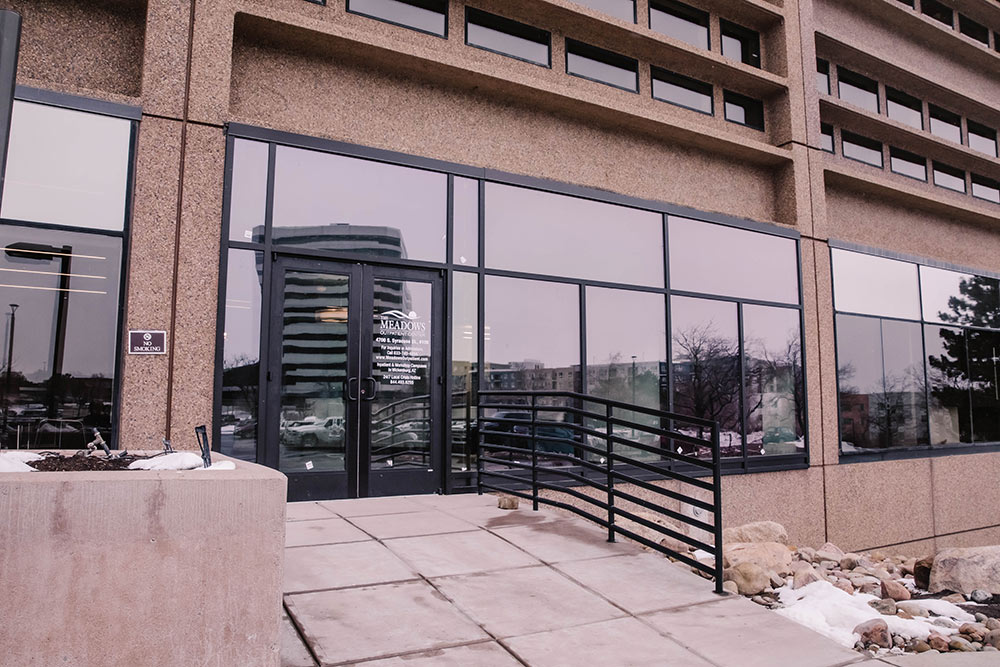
[{"x": 569, "y": 443}]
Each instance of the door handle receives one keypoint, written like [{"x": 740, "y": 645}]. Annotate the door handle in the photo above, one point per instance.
[
  {"x": 370, "y": 396},
  {"x": 351, "y": 382}
]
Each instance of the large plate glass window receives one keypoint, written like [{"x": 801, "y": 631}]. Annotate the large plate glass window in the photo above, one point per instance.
[{"x": 61, "y": 289}]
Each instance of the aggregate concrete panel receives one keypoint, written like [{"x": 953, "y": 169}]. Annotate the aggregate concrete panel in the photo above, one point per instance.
[
  {"x": 749, "y": 498},
  {"x": 622, "y": 641},
  {"x": 749, "y": 636},
  {"x": 483, "y": 654},
  {"x": 564, "y": 540},
  {"x": 379, "y": 621},
  {"x": 322, "y": 531},
  {"x": 973, "y": 538},
  {"x": 497, "y": 600},
  {"x": 164, "y": 62},
  {"x": 458, "y": 553},
  {"x": 341, "y": 565},
  {"x": 953, "y": 478},
  {"x": 640, "y": 583},
  {"x": 386, "y": 526},
  {"x": 872, "y": 504}
]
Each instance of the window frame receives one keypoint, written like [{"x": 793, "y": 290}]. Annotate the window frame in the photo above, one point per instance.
[
  {"x": 508, "y": 25},
  {"x": 596, "y": 53},
  {"x": 422, "y": 4},
  {"x": 747, "y": 103},
  {"x": 680, "y": 80},
  {"x": 742, "y": 35}
]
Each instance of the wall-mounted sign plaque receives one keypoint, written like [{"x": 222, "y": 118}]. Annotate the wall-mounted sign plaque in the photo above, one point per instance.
[{"x": 147, "y": 342}]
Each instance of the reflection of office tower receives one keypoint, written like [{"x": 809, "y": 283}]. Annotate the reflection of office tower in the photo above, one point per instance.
[{"x": 342, "y": 237}]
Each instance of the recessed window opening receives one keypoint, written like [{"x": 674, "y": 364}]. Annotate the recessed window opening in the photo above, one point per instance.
[
  {"x": 982, "y": 138},
  {"x": 857, "y": 89},
  {"x": 507, "y": 37},
  {"x": 946, "y": 124},
  {"x": 908, "y": 3},
  {"x": 682, "y": 91},
  {"x": 907, "y": 164},
  {"x": 973, "y": 29},
  {"x": 620, "y": 9},
  {"x": 743, "y": 110},
  {"x": 679, "y": 21},
  {"x": 590, "y": 62},
  {"x": 823, "y": 76},
  {"x": 429, "y": 16},
  {"x": 938, "y": 12},
  {"x": 856, "y": 147},
  {"x": 985, "y": 188},
  {"x": 826, "y": 137},
  {"x": 949, "y": 177},
  {"x": 740, "y": 43},
  {"x": 904, "y": 108}
]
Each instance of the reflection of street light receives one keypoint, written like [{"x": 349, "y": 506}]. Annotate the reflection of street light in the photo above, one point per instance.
[
  {"x": 633, "y": 393},
  {"x": 10, "y": 358}
]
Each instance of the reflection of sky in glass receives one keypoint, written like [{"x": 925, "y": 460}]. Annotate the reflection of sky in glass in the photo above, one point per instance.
[
  {"x": 464, "y": 320},
  {"x": 582, "y": 65},
  {"x": 715, "y": 259},
  {"x": 519, "y": 47},
  {"x": 539, "y": 232},
  {"x": 694, "y": 321},
  {"x": 242, "y": 332},
  {"x": 859, "y": 354},
  {"x": 466, "y": 221},
  {"x": 249, "y": 190},
  {"x": 528, "y": 320},
  {"x": 401, "y": 12},
  {"x": 875, "y": 285},
  {"x": 621, "y": 324},
  {"x": 622, "y": 9},
  {"x": 769, "y": 333},
  {"x": 66, "y": 167},
  {"x": 320, "y": 189},
  {"x": 937, "y": 286}
]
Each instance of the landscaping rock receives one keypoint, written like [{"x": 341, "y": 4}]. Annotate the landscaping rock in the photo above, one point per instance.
[
  {"x": 731, "y": 587},
  {"x": 992, "y": 638},
  {"x": 894, "y": 590},
  {"x": 964, "y": 570},
  {"x": 507, "y": 502},
  {"x": 849, "y": 561},
  {"x": 886, "y": 607},
  {"x": 912, "y": 608},
  {"x": 954, "y": 598},
  {"x": 750, "y": 578},
  {"x": 804, "y": 577},
  {"x": 806, "y": 554},
  {"x": 920, "y": 646},
  {"x": 992, "y": 624},
  {"x": 828, "y": 551},
  {"x": 976, "y": 632},
  {"x": 875, "y": 631},
  {"x": 922, "y": 572},
  {"x": 959, "y": 644},
  {"x": 845, "y": 585},
  {"x": 980, "y": 596},
  {"x": 937, "y": 642},
  {"x": 767, "y": 555},
  {"x": 758, "y": 531}
]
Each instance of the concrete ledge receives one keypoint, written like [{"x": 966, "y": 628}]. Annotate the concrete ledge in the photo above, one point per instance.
[{"x": 142, "y": 567}]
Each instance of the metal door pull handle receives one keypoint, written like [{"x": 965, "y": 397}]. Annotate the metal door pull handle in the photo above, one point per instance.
[
  {"x": 370, "y": 396},
  {"x": 351, "y": 382}
]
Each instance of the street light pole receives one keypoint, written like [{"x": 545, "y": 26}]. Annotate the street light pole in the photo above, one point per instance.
[{"x": 10, "y": 360}]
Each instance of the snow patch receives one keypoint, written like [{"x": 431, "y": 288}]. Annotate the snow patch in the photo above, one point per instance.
[
  {"x": 174, "y": 461},
  {"x": 220, "y": 465},
  {"x": 10, "y": 463},
  {"x": 942, "y": 608},
  {"x": 833, "y": 613},
  {"x": 22, "y": 456}
]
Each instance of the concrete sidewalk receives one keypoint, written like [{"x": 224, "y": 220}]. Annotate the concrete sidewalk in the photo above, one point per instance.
[{"x": 452, "y": 580}]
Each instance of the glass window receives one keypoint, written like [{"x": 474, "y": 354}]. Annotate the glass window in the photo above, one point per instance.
[
  {"x": 67, "y": 167},
  {"x": 949, "y": 409},
  {"x": 937, "y": 11},
  {"x": 590, "y": 62},
  {"x": 946, "y": 124},
  {"x": 984, "y": 354},
  {"x": 241, "y": 354},
  {"x": 620, "y": 9},
  {"x": 60, "y": 308},
  {"x": 740, "y": 43},
  {"x": 985, "y": 188},
  {"x": 424, "y": 15},
  {"x": 331, "y": 202},
  {"x": 959, "y": 298},
  {"x": 248, "y": 195},
  {"x": 743, "y": 110},
  {"x": 904, "y": 108},
  {"x": 682, "y": 91},
  {"x": 873, "y": 285},
  {"x": 715, "y": 259},
  {"x": 464, "y": 375},
  {"x": 775, "y": 395},
  {"x": 949, "y": 177},
  {"x": 907, "y": 2},
  {"x": 706, "y": 365},
  {"x": 858, "y": 90},
  {"x": 970, "y": 28},
  {"x": 904, "y": 401},
  {"x": 502, "y": 35},
  {"x": 540, "y": 232},
  {"x": 532, "y": 334},
  {"x": 465, "y": 225},
  {"x": 822, "y": 76},
  {"x": 826, "y": 137},
  {"x": 680, "y": 21},
  {"x": 907, "y": 164},
  {"x": 860, "y": 148},
  {"x": 982, "y": 138}
]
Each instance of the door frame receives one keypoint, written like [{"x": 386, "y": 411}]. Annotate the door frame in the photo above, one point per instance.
[{"x": 356, "y": 481}]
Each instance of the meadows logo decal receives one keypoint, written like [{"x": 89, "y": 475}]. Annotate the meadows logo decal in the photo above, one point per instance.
[
  {"x": 397, "y": 320},
  {"x": 400, "y": 315}
]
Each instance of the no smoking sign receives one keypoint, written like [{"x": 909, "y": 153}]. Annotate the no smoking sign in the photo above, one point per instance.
[{"x": 147, "y": 342}]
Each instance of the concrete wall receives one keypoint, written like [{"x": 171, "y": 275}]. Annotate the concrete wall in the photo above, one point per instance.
[{"x": 297, "y": 66}]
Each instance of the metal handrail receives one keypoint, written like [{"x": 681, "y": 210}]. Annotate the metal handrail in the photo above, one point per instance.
[{"x": 579, "y": 455}]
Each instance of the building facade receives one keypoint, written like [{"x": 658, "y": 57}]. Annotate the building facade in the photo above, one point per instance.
[{"x": 349, "y": 216}]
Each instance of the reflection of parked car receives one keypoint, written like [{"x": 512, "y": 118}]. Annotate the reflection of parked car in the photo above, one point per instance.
[
  {"x": 247, "y": 429},
  {"x": 492, "y": 430},
  {"x": 311, "y": 432},
  {"x": 550, "y": 438},
  {"x": 779, "y": 434}
]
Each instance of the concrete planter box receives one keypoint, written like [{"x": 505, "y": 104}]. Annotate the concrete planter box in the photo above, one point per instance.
[{"x": 142, "y": 567}]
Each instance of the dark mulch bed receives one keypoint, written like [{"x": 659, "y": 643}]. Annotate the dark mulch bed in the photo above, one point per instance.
[
  {"x": 991, "y": 608},
  {"x": 54, "y": 462}
]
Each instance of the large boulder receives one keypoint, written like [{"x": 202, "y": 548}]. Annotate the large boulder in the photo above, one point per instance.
[
  {"x": 758, "y": 531},
  {"x": 750, "y": 579},
  {"x": 768, "y": 555},
  {"x": 922, "y": 572},
  {"x": 964, "y": 570}
]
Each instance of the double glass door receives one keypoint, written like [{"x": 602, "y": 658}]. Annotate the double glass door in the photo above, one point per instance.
[{"x": 354, "y": 380}]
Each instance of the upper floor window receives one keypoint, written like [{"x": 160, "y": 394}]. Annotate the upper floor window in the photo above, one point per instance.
[
  {"x": 973, "y": 29},
  {"x": 682, "y": 91},
  {"x": 904, "y": 108},
  {"x": 982, "y": 138},
  {"x": 507, "y": 37},
  {"x": 938, "y": 12},
  {"x": 857, "y": 89},
  {"x": 424, "y": 15},
  {"x": 740, "y": 43},
  {"x": 743, "y": 110},
  {"x": 946, "y": 124},
  {"x": 620, "y": 9},
  {"x": 823, "y": 76},
  {"x": 679, "y": 21},
  {"x": 590, "y": 62}
]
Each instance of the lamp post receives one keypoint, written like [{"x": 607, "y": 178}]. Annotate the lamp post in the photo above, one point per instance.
[
  {"x": 633, "y": 392},
  {"x": 10, "y": 360}
]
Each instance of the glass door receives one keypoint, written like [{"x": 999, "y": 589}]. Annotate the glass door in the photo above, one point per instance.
[{"x": 354, "y": 384}]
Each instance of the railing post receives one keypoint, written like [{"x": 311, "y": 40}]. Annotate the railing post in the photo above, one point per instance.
[
  {"x": 534, "y": 457},
  {"x": 717, "y": 505},
  {"x": 479, "y": 452},
  {"x": 610, "y": 447}
]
